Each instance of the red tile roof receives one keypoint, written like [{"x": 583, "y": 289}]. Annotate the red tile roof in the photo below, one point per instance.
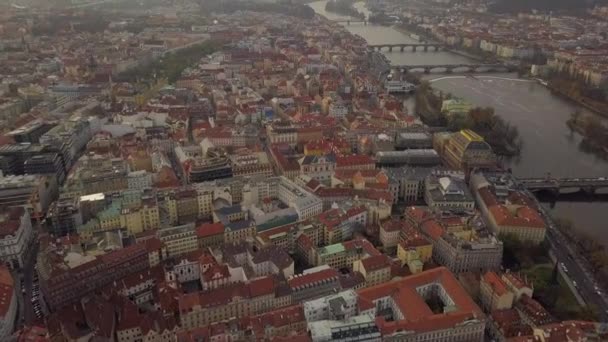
[
  {"x": 497, "y": 285},
  {"x": 418, "y": 315},
  {"x": 210, "y": 229},
  {"x": 376, "y": 262},
  {"x": 354, "y": 160},
  {"x": 301, "y": 280}
]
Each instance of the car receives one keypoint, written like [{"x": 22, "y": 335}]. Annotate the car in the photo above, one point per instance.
[{"x": 574, "y": 283}]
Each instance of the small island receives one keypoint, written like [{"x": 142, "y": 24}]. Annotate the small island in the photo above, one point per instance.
[
  {"x": 343, "y": 7},
  {"x": 455, "y": 114}
]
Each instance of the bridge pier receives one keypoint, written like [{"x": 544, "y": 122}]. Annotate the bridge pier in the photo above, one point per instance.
[
  {"x": 426, "y": 48},
  {"x": 436, "y": 48},
  {"x": 390, "y": 49},
  {"x": 414, "y": 47},
  {"x": 402, "y": 47},
  {"x": 348, "y": 23}
]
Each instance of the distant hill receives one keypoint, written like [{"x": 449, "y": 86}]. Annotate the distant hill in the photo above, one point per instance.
[{"x": 509, "y": 6}]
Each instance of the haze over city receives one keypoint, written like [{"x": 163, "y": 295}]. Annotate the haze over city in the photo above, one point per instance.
[{"x": 297, "y": 170}]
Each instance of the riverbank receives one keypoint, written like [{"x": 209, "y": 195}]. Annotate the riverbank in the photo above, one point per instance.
[{"x": 603, "y": 112}]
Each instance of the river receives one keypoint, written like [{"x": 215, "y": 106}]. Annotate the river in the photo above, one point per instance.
[{"x": 540, "y": 116}]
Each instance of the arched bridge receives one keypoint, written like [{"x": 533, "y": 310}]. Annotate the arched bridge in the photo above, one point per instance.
[
  {"x": 587, "y": 185},
  {"x": 450, "y": 68},
  {"x": 410, "y": 46}
]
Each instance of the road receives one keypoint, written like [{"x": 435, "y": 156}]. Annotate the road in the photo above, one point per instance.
[
  {"x": 578, "y": 267},
  {"x": 28, "y": 276}
]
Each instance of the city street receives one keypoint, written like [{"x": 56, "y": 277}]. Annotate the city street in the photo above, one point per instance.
[
  {"x": 577, "y": 272},
  {"x": 28, "y": 276}
]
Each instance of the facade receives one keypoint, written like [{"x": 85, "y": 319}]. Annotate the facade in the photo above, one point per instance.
[
  {"x": 179, "y": 239},
  {"x": 238, "y": 300},
  {"x": 320, "y": 168},
  {"x": 34, "y": 192},
  {"x": 375, "y": 269},
  {"x": 210, "y": 235},
  {"x": 64, "y": 216},
  {"x": 464, "y": 321},
  {"x": 313, "y": 283},
  {"x": 343, "y": 254},
  {"x": 466, "y": 150},
  {"x": 464, "y": 250},
  {"x": 16, "y": 237},
  {"x": 494, "y": 293},
  {"x": 65, "y": 278},
  {"x": 447, "y": 193},
  {"x": 339, "y": 306}
]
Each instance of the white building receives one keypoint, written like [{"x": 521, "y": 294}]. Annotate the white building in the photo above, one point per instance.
[
  {"x": 139, "y": 180},
  {"x": 15, "y": 236},
  {"x": 339, "y": 306},
  {"x": 305, "y": 203}
]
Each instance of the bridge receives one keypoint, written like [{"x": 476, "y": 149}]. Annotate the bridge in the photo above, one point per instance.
[
  {"x": 556, "y": 185},
  {"x": 350, "y": 21},
  {"x": 450, "y": 68},
  {"x": 402, "y": 47}
]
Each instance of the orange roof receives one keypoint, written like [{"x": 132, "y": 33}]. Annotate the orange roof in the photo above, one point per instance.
[
  {"x": 210, "y": 229},
  {"x": 498, "y": 286},
  {"x": 353, "y": 160},
  {"x": 376, "y": 262},
  {"x": 433, "y": 229},
  {"x": 299, "y": 281},
  {"x": 418, "y": 316},
  {"x": 522, "y": 217}
]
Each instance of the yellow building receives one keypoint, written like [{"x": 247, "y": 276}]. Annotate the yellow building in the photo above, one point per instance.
[
  {"x": 466, "y": 150},
  {"x": 375, "y": 269}
]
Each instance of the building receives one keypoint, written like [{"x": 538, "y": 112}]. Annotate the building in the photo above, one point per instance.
[
  {"x": 413, "y": 140},
  {"x": 390, "y": 230},
  {"x": 494, "y": 293},
  {"x": 179, "y": 240},
  {"x": 466, "y": 150},
  {"x": 237, "y": 224},
  {"x": 511, "y": 218},
  {"x": 64, "y": 216},
  {"x": 375, "y": 269},
  {"x": 456, "y": 106},
  {"x": 139, "y": 180},
  {"x": 447, "y": 193},
  {"x": 408, "y": 303},
  {"x": 339, "y": 306},
  {"x": 210, "y": 235},
  {"x": 412, "y": 158},
  {"x": 340, "y": 224},
  {"x": 313, "y": 283},
  {"x": 26, "y": 158},
  {"x": 468, "y": 248},
  {"x": 66, "y": 277},
  {"x": 8, "y": 303},
  {"x": 355, "y": 328},
  {"x": 16, "y": 237},
  {"x": 414, "y": 249},
  {"x": 251, "y": 164},
  {"x": 34, "y": 192},
  {"x": 410, "y": 182},
  {"x": 320, "y": 168},
  {"x": 304, "y": 202},
  {"x": 343, "y": 254},
  {"x": 237, "y": 300}
]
